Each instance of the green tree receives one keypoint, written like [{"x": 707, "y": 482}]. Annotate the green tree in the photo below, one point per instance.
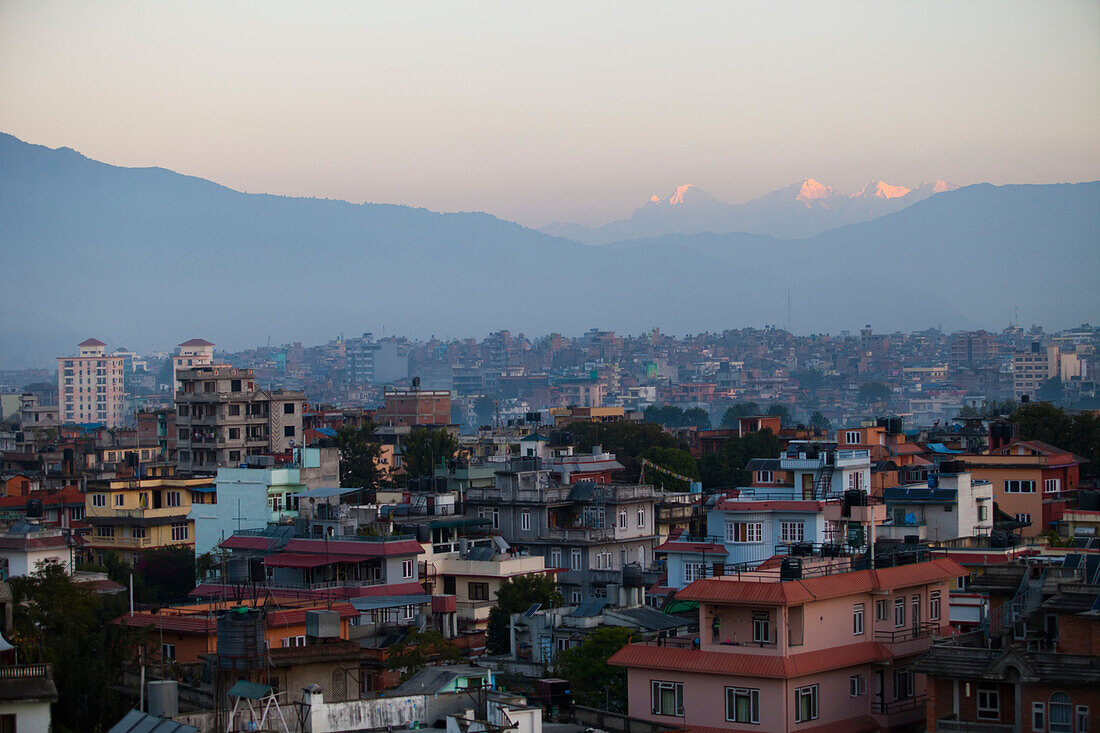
[
  {"x": 874, "y": 392},
  {"x": 733, "y": 414},
  {"x": 486, "y": 408},
  {"x": 592, "y": 680},
  {"x": 726, "y": 468},
  {"x": 810, "y": 380},
  {"x": 419, "y": 649},
  {"x": 359, "y": 456},
  {"x": 820, "y": 422},
  {"x": 627, "y": 440},
  {"x": 672, "y": 459},
  {"x": 68, "y": 625},
  {"x": 1051, "y": 390},
  {"x": 697, "y": 417},
  {"x": 780, "y": 410},
  {"x": 1079, "y": 434},
  {"x": 427, "y": 448},
  {"x": 164, "y": 575},
  {"x": 516, "y": 595}
]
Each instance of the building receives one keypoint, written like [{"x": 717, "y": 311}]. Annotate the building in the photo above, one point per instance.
[
  {"x": 132, "y": 515},
  {"x": 91, "y": 386},
  {"x": 1033, "y": 367},
  {"x": 191, "y": 354},
  {"x": 26, "y": 690},
  {"x": 826, "y": 647},
  {"x": 1032, "y": 481},
  {"x": 414, "y": 407},
  {"x": 27, "y": 543},
  {"x": 222, "y": 418},
  {"x": 592, "y": 531},
  {"x": 949, "y": 506}
]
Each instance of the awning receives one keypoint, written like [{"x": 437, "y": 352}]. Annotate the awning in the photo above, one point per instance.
[{"x": 305, "y": 560}]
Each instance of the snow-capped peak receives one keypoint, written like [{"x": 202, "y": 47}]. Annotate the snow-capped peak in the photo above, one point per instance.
[
  {"x": 812, "y": 190},
  {"x": 678, "y": 196},
  {"x": 881, "y": 190}
]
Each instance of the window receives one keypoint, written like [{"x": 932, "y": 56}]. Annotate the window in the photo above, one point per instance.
[
  {"x": 934, "y": 605},
  {"x": 1019, "y": 487},
  {"x": 575, "y": 559},
  {"x": 1038, "y": 716},
  {"x": 406, "y": 568},
  {"x": 604, "y": 560},
  {"x": 1061, "y": 712},
  {"x": 805, "y": 704},
  {"x": 857, "y": 619},
  {"x": 137, "y": 533},
  {"x": 172, "y": 498},
  {"x": 234, "y": 385},
  {"x": 575, "y": 596},
  {"x": 288, "y": 408},
  {"x": 899, "y": 612},
  {"x": 765, "y": 477},
  {"x": 120, "y": 499},
  {"x": 744, "y": 532},
  {"x": 104, "y": 531},
  {"x": 1023, "y": 517},
  {"x": 641, "y": 517},
  {"x": 882, "y": 610},
  {"x": 179, "y": 532},
  {"x": 479, "y": 591},
  {"x": 667, "y": 698},
  {"x": 76, "y": 513},
  {"x": 491, "y": 514},
  {"x": 234, "y": 410},
  {"x": 761, "y": 627},
  {"x": 555, "y": 557},
  {"x": 408, "y": 613},
  {"x": 99, "y": 500},
  {"x": 792, "y": 531},
  {"x": 289, "y": 641},
  {"x": 989, "y": 704},
  {"x": 694, "y": 570},
  {"x": 168, "y": 652},
  {"x": 288, "y": 431},
  {"x": 853, "y": 437},
  {"x": 742, "y": 705},
  {"x": 855, "y": 481},
  {"x": 525, "y": 520},
  {"x": 622, "y": 519},
  {"x": 981, "y": 512},
  {"x": 857, "y": 685},
  {"x": 1082, "y": 719},
  {"x": 1052, "y": 485},
  {"x": 234, "y": 433},
  {"x": 903, "y": 684}
]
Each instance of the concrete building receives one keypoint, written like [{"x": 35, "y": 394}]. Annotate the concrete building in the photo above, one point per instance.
[
  {"x": 91, "y": 386},
  {"x": 222, "y": 418},
  {"x": 27, "y": 543},
  {"x": 412, "y": 407},
  {"x": 826, "y": 648},
  {"x": 191, "y": 354},
  {"x": 591, "y": 531},
  {"x": 950, "y": 506}
]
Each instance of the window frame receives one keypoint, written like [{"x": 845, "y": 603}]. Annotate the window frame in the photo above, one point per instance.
[
  {"x": 787, "y": 535},
  {"x": 761, "y": 627},
  {"x": 810, "y": 691},
  {"x": 694, "y": 570},
  {"x": 753, "y": 693},
  {"x": 899, "y": 612},
  {"x": 751, "y": 530},
  {"x": 857, "y": 620},
  {"x": 882, "y": 609},
  {"x": 857, "y": 685},
  {"x": 1038, "y": 715},
  {"x": 985, "y": 711},
  {"x": 482, "y": 591},
  {"x": 525, "y": 520},
  {"x": 677, "y": 689},
  {"x": 407, "y": 569},
  {"x": 934, "y": 605}
]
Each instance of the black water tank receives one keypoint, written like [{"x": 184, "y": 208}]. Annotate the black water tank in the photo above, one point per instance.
[
  {"x": 257, "y": 571},
  {"x": 802, "y": 549},
  {"x": 423, "y": 533},
  {"x": 790, "y": 568},
  {"x": 34, "y": 508}
]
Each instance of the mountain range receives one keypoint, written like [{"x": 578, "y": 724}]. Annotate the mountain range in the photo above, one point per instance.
[
  {"x": 146, "y": 258},
  {"x": 802, "y": 209}
]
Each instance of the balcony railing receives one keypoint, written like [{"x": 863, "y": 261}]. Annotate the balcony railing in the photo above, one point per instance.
[
  {"x": 125, "y": 542},
  {"x": 25, "y": 672},
  {"x": 916, "y": 702},
  {"x": 923, "y": 631},
  {"x": 964, "y": 726}
]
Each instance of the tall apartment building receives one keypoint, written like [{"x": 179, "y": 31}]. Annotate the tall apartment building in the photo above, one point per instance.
[
  {"x": 191, "y": 354},
  {"x": 1031, "y": 368},
  {"x": 90, "y": 386},
  {"x": 221, "y": 417}
]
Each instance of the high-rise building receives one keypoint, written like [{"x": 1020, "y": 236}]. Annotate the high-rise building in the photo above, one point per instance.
[
  {"x": 191, "y": 354},
  {"x": 90, "y": 386},
  {"x": 221, "y": 417}
]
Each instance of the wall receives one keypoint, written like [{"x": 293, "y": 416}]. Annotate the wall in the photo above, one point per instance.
[
  {"x": 30, "y": 716},
  {"x": 242, "y": 492}
]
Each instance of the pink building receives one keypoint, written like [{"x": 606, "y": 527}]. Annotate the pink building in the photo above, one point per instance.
[
  {"x": 827, "y": 651},
  {"x": 192, "y": 353},
  {"x": 90, "y": 386}
]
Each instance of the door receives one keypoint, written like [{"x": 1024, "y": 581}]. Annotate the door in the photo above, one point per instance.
[
  {"x": 807, "y": 486},
  {"x": 916, "y": 616},
  {"x": 878, "y": 690}
]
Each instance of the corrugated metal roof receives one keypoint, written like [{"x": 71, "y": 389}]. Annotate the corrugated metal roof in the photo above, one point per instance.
[{"x": 137, "y": 721}]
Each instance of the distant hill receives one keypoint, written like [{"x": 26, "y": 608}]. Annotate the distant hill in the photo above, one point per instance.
[
  {"x": 144, "y": 257},
  {"x": 802, "y": 209}
]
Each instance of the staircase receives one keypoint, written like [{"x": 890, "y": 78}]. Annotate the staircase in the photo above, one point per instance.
[
  {"x": 824, "y": 481},
  {"x": 1028, "y": 596}
]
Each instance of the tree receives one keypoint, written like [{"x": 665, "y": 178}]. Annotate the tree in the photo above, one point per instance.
[
  {"x": 810, "y": 380},
  {"x": 731, "y": 417},
  {"x": 418, "y": 649},
  {"x": 672, "y": 459},
  {"x": 697, "y": 417},
  {"x": 627, "y": 440},
  {"x": 516, "y": 595},
  {"x": 779, "y": 410},
  {"x": 166, "y": 575},
  {"x": 68, "y": 625},
  {"x": 874, "y": 392},
  {"x": 1051, "y": 390},
  {"x": 593, "y": 681},
  {"x": 820, "y": 422},
  {"x": 1079, "y": 434},
  {"x": 427, "y": 448},
  {"x": 726, "y": 468},
  {"x": 485, "y": 407},
  {"x": 359, "y": 457}
]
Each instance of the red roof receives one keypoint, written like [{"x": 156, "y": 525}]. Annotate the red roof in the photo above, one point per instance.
[
  {"x": 244, "y": 542},
  {"x": 91, "y": 342},
  {"x": 749, "y": 665},
  {"x": 729, "y": 589},
  {"x": 780, "y": 505},
  {"x": 306, "y": 560},
  {"x": 69, "y": 496},
  {"x": 673, "y": 546},
  {"x": 295, "y": 616},
  {"x": 196, "y": 342},
  {"x": 357, "y": 549},
  {"x": 217, "y": 590},
  {"x": 182, "y": 623}
]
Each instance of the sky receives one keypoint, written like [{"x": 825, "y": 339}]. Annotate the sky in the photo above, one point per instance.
[{"x": 570, "y": 111}]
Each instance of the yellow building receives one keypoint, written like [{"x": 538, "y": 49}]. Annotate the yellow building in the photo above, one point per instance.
[{"x": 129, "y": 516}]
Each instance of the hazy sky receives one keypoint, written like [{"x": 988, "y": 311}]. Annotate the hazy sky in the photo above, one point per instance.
[{"x": 553, "y": 110}]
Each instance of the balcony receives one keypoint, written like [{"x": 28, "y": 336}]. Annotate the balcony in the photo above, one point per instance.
[
  {"x": 121, "y": 543},
  {"x": 142, "y": 517},
  {"x": 577, "y": 534}
]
